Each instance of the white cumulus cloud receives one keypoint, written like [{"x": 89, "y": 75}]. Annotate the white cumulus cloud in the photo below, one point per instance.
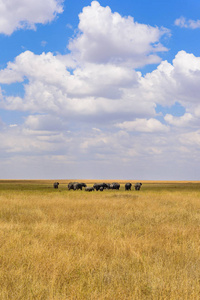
[
  {"x": 176, "y": 82},
  {"x": 25, "y": 14},
  {"x": 182, "y": 121},
  {"x": 143, "y": 125},
  {"x": 105, "y": 37}
]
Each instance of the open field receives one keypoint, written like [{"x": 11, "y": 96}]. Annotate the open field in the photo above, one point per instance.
[{"x": 64, "y": 245}]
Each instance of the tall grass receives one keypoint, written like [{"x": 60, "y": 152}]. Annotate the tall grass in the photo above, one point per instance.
[{"x": 60, "y": 244}]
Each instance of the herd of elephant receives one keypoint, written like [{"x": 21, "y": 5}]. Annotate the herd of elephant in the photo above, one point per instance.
[{"x": 99, "y": 186}]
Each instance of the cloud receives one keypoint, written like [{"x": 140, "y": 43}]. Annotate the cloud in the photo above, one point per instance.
[
  {"x": 13, "y": 125},
  {"x": 182, "y": 121},
  {"x": 44, "y": 123},
  {"x": 176, "y": 82},
  {"x": 184, "y": 23},
  {"x": 96, "y": 154},
  {"x": 191, "y": 139},
  {"x": 91, "y": 90},
  {"x": 143, "y": 125},
  {"x": 104, "y": 92},
  {"x": 97, "y": 88},
  {"x": 91, "y": 113},
  {"x": 106, "y": 37},
  {"x": 20, "y": 14}
]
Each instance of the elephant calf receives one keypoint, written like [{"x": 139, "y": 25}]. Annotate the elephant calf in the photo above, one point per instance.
[{"x": 89, "y": 189}]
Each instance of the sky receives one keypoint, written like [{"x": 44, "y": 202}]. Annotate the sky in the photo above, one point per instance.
[{"x": 100, "y": 89}]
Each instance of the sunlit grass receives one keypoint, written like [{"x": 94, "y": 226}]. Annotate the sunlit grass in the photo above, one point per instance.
[{"x": 60, "y": 244}]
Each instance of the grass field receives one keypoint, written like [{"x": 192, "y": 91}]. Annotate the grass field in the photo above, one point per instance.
[{"x": 64, "y": 245}]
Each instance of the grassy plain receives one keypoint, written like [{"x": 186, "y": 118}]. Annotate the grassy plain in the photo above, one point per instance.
[{"x": 70, "y": 245}]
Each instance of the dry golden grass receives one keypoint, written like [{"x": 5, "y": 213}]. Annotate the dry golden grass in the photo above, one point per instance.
[{"x": 60, "y": 244}]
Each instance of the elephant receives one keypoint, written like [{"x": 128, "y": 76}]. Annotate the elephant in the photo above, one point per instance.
[
  {"x": 76, "y": 186},
  {"x": 89, "y": 189},
  {"x": 101, "y": 186},
  {"x": 55, "y": 185},
  {"x": 138, "y": 186},
  {"x": 115, "y": 186},
  {"x": 128, "y": 186},
  {"x": 71, "y": 185},
  {"x": 97, "y": 186},
  {"x": 107, "y": 186},
  {"x": 83, "y": 184}
]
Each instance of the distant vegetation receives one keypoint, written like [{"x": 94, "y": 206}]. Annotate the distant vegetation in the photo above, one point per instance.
[{"x": 57, "y": 244}]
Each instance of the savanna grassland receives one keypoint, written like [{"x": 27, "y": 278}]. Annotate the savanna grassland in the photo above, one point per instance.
[{"x": 60, "y": 244}]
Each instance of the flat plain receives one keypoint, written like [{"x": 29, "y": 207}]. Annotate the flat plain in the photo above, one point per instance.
[{"x": 57, "y": 244}]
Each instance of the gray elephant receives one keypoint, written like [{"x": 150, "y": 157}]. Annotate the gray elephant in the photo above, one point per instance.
[
  {"x": 138, "y": 186},
  {"x": 100, "y": 186},
  {"x": 89, "y": 189},
  {"x": 71, "y": 185},
  {"x": 76, "y": 186},
  {"x": 96, "y": 186},
  {"x": 55, "y": 185},
  {"x": 83, "y": 184},
  {"x": 128, "y": 186},
  {"x": 107, "y": 186},
  {"x": 115, "y": 186}
]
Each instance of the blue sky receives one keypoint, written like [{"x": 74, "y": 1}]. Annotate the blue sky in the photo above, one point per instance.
[{"x": 100, "y": 89}]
